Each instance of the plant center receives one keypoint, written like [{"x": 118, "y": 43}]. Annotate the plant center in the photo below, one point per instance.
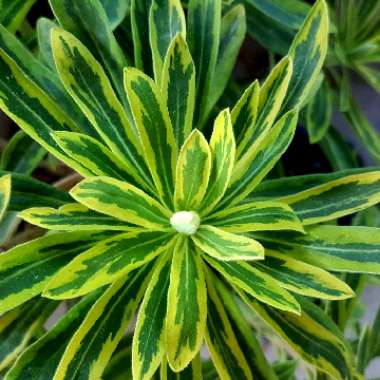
[{"x": 185, "y": 222}]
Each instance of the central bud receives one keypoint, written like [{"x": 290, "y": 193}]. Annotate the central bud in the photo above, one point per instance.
[{"x": 185, "y": 222}]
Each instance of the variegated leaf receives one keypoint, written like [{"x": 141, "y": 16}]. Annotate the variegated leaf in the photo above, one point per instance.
[
  {"x": 166, "y": 19},
  {"x": 116, "y": 11},
  {"x": 122, "y": 201},
  {"x": 5, "y": 193},
  {"x": 73, "y": 216},
  {"x": 187, "y": 305},
  {"x": 148, "y": 345},
  {"x": 192, "y": 173},
  {"x": 44, "y": 28},
  {"x": 13, "y": 13},
  {"x": 178, "y": 88},
  {"x": 257, "y": 283},
  {"x": 27, "y": 268},
  {"x": 256, "y": 163},
  {"x": 192, "y": 372},
  {"x": 256, "y": 216},
  {"x": 93, "y": 343},
  {"x": 308, "y": 52},
  {"x": 204, "y": 19},
  {"x": 335, "y": 248},
  {"x": 156, "y": 132},
  {"x": 336, "y": 198},
  {"x": 85, "y": 80},
  {"x": 222, "y": 145},
  {"x": 222, "y": 343},
  {"x": 225, "y": 246},
  {"x": 303, "y": 278},
  {"x": 106, "y": 262}
]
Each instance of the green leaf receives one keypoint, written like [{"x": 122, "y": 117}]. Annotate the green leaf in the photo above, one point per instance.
[
  {"x": 13, "y": 13},
  {"x": 187, "y": 305},
  {"x": 106, "y": 262},
  {"x": 336, "y": 198},
  {"x": 166, "y": 20},
  {"x": 116, "y": 10},
  {"x": 45, "y": 80},
  {"x": 246, "y": 336},
  {"x": 140, "y": 32},
  {"x": 371, "y": 75},
  {"x": 148, "y": 346},
  {"x": 225, "y": 246},
  {"x": 311, "y": 335},
  {"x": 72, "y": 216},
  {"x": 303, "y": 278},
  {"x": 308, "y": 53},
  {"x": 290, "y": 13},
  {"x": 87, "y": 83},
  {"x": 222, "y": 343},
  {"x": 192, "y": 173},
  {"x": 27, "y": 268},
  {"x": 222, "y": 146},
  {"x": 192, "y": 372},
  {"x": 257, "y": 162},
  {"x": 256, "y": 216},
  {"x": 39, "y": 360},
  {"x": 28, "y": 192},
  {"x": 204, "y": 19},
  {"x": 96, "y": 157},
  {"x": 335, "y": 248},
  {"x": 271, "y": 96},
  {"x": 256, "y": 283},
  {"x": 22, "y": 154},
  {"x": 44, "y": 28},
  {"x": 87, "y": 20},
  {"x": 232, "y": 34},
  {"x": 178, "y": 88},
  {"x": 116, "y": 368},
  {"x": 155, "y": 129},
  {"x": 122, "y": 201},
  {"x": 5, "y": 193},
  {"x": 19, "y": 326},
  {"x": 93, "y": 343},
  {"x": 364, "y": 130},
  {"x": 319, "y": 113}
]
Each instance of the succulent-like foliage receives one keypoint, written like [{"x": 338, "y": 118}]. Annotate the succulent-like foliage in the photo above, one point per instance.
[{"x": 170, "y": 223}]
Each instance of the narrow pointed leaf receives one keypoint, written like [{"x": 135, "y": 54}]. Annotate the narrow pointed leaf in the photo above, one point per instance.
[
  {"x": 204, "y": 19},
  {"x": 308, "y": 52},
  {"x": 39, "y": 360},
  {"x": 13, "y": 13},
  {"x": 192, "y": 372},
  {"x": 96, "y": 157},
  {"x": 272, "y": 95},
  {"x": 303, "y": 278},
  {"x": 222, "y": 145},
  {"x": 73, "y": 216},
  {"x": 106, "y": 262},
  {"x": 19, "y": 326},
  {"x": 93, "y": 343},
  {"x": 232, "y": 33},
  {"x": 311, "y": 336},
  {"x": 166, "y": 19},
  {"x": 335, "y": 248},
  {"x": 256, "y": 283},
  {"x": 86, "y": 81},
  {"x": 122, "y": 201},
  {"x": 336, "y": 198},
  {"x": 222, "y": 343},
  {"x": 44, "y": 28},
  {"x": 256, "y": 164},
  {"x": 178, "y": 88},
  {"x": 26, "y": 269},
  {"x": 155, "y": 129},
  {"x": 149, "y": 338},
  {"x": 187, "y": 305},
  {"x": 5, "y": 193},
  {"x": 226, "y": 246},
  {"x": 256, "y": 216},
  {"x": 193, "y": 172}
]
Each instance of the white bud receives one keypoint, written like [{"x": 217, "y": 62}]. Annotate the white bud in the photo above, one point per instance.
[{"x": 185, "y": 222}]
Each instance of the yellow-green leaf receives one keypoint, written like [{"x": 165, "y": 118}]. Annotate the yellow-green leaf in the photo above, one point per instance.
[{"x": 5, "y": 193}]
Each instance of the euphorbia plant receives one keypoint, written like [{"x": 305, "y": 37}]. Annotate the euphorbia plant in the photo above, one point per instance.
[{"x": 172, "y": 219}]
